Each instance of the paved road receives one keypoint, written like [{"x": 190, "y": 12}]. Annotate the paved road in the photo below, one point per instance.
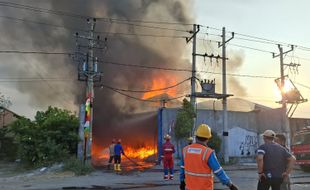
[{"x": 244, "y": 176}]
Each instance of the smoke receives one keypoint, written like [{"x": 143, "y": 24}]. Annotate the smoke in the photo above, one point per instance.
[
  {"x": 212, "y": 69},
  {"x": 233, "y": 65},
  {"x": 58, "y": 84}
]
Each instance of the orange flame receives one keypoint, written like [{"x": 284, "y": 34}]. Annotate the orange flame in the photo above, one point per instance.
[
  {"x": 140, "y": 153},
  {"x": 136, "y": 153},
  {"x": 159, "y": 83}
]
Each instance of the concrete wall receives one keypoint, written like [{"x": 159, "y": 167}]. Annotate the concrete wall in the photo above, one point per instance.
[{"x": 244, "y": 127}]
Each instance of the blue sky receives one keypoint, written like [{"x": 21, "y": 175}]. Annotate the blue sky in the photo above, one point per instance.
[{"x": 278, "y": 20}]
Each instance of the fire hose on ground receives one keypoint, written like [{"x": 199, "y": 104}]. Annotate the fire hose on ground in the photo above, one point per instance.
[{"x": 132, "y": 160}]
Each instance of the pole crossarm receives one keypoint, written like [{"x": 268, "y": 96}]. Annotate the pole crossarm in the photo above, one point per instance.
[
  {"x": 279, "y": 46},
  {"x": 232, "y": 37},
  {"x": 194, "y": 34}
]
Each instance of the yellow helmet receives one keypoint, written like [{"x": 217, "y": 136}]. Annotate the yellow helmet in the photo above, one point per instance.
[
  {"x": 167, "y": 137},
  {"x": 204, "y": 131},
  {"x": 190, "y": 139}
]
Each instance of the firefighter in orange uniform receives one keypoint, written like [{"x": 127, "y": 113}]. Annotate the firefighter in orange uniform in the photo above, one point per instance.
[
  {"x": 199, "y": 161},
  {"x": 168, "y": 150}
]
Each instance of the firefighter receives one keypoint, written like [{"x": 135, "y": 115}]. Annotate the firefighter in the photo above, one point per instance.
[
  {"x": 118, "y": 151},
  {"x": 111, "y": 152},
  {"x": 168, "y": 150},
  {"x": 199, "y": 161}
]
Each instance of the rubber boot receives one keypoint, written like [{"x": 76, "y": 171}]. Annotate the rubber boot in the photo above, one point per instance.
[
  {"x": 115, "y": 167},
  {"x": 119, "y": 167}
]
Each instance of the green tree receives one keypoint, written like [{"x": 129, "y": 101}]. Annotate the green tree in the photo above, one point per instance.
[
  {"x": 184, "y": 120},
  {"x": 53, "y": 136}
]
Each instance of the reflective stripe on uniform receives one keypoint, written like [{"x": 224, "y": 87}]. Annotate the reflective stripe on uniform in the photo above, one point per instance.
[
  {"x": 184, "y": 153},
  {"x": 168, "y": 149},
  {"x": 205, "y": 154},
  {"x": 194, "y": 150},
  {"x": 218, "y": 170},
  {"x": 182, "y": 167},
  {"x": 198, "y": 174}
]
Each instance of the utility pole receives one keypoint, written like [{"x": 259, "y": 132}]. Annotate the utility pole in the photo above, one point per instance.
[
  {"x": 285, "y": 122},
  {"x": 196, "y": 29},
  {"x": 88, "y": 72},
  {"x": 224, "y": 89}
]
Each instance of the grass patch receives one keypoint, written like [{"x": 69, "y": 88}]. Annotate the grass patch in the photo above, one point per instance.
[{"x": 78, "y": 167}]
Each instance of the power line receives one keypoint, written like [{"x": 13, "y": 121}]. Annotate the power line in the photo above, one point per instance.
[
  {"x": 70, "y": 14},
  {"x": 144, "y": 91},
  {"x": 184, "y": 70},
  {"x": 145, "y": 67},
  {"x": 35, "y": 52},
  {"x": 305, "y": 86},
  {"x": 105, "y": 19},
  {"x": 144, "y": 100},
  {"x": 41, "y": 23},
  {"x": 247, "y": 47},
  {"x": 74, "y": 15},
  {"x": 42, "y": 10},
  {"x": 99, "y": 32},
  {"x": 152, "y": 27}
]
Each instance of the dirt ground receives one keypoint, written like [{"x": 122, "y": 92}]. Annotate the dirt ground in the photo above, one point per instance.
[{"x": 245, "y": 176}]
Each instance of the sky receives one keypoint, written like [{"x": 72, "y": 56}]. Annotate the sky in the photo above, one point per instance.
[{"x": 277, "y": 20}]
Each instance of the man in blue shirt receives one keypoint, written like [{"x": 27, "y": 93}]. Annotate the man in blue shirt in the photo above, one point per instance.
[
  {"x": 274, "y": 163},
  {"x": 118, "y": 151}
]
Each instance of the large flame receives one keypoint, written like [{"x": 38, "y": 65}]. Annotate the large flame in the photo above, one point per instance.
[
  {"x": 131, "y": 152},
  {"x": 140, "y": 153},
  {"x": 159, "y": 83}
]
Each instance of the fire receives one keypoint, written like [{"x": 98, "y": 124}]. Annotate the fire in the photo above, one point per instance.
[
  {"x": 159, "y": 83},
  {"x": 140, "y": 153},
  {"x": 136, "y": 153}
]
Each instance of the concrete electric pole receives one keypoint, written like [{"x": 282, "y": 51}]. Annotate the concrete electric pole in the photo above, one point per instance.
[
  {"x": 225, "y": 126},
  {"x": 88, "y": 72},
  {"x": 285, "y": 122},
  {"x": 196, "y": 29}
]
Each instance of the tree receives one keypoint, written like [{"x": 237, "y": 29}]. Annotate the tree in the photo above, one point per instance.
[
  {"x": 185, "y": 120},
  {"x": 52, "y": 137},
  {"x": 5, "y": 102}
]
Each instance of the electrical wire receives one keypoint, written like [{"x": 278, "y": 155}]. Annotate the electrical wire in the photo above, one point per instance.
[
  {"x": 186, "y": 70},
  {"x": 35, "y": 52},
  {"x": 82, "y": 30},
  {"x": 42, "y": 10},
  {"x": 144, "y": 67},
  {"x": 305, "y": 86},
  {"x": 144, "y": 91},
  {"x": 144, "y": 100},
  {"x": 247, "y": 47}
]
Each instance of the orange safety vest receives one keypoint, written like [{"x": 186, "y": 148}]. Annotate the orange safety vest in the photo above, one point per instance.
[{"x": 198, "y": 175}]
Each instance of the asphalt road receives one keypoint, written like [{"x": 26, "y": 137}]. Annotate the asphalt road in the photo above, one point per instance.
[{"x": 245, "y": 176}]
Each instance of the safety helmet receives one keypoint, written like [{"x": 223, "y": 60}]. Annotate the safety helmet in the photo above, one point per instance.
[
  {"x": 119, "y": 140},
  {"x": 167, "y": 137},
  {"x": 203, "y": 130},
  {"x": 190, "y": 139}
]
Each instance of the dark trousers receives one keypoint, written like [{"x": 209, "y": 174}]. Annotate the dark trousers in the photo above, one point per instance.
[
  {"x": 265, "y": 184},
  {"x": 117, "y": 159},
  {"x": 110, "y": 159}
]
